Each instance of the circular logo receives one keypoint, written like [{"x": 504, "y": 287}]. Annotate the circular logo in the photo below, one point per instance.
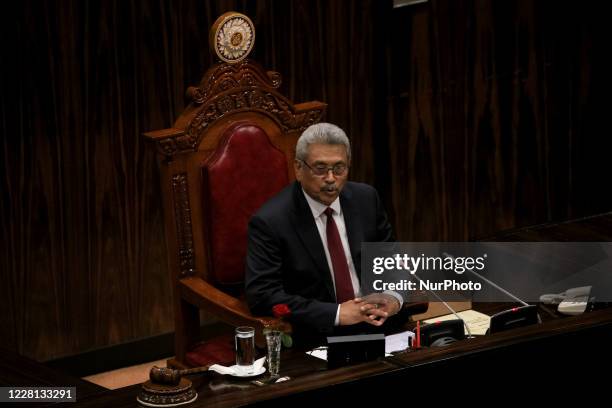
[{"x": 232, "y": 37}]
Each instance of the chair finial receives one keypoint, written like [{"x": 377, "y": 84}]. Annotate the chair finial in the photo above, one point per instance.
[{"x": 232, "y": 37}]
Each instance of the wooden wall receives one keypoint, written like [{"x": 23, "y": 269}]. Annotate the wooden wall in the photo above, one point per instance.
[
  {"x": 468, "y": 116},
  {"x": 497, "y": 116}
]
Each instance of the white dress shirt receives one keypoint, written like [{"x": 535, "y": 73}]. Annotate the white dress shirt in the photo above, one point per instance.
[{"x": 318, "y": 213}]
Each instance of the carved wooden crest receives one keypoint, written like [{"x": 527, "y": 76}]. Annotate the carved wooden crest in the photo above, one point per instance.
[
  {"x": 232, "y": 88},
  {"x": 235, "y": 85},
  {"x": 232, "y": 37}
]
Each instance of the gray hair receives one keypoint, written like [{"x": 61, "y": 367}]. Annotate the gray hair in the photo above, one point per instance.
[{"x": 324, "y": 133}]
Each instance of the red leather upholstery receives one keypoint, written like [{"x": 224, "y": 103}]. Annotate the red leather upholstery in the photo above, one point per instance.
[
  {"x": 244, "y": 172},
  {"x": 219, "y": 350}
]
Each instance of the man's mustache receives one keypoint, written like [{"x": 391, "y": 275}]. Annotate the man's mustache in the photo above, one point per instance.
[{"x": 330, "y": 188}]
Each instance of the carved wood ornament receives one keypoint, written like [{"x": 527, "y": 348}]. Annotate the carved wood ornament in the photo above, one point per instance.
[{"x": 235, "y": 85}]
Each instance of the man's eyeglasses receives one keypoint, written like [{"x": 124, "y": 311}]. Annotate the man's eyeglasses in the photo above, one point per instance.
[{"x": 322, "y": 170}]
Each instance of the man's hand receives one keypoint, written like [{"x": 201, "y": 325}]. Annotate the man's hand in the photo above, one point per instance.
[
  {"x": 379, "y": 301},
  {"x": 358, "y": 310}
]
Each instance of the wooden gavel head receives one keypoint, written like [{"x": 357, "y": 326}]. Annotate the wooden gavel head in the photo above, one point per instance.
[{"x": 165, "y": 375}]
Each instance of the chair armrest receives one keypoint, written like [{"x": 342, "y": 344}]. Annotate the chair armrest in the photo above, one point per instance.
[{"x": 229, "y": 309}]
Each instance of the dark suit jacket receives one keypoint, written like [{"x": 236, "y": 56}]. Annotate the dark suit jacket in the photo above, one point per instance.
[{"x": 286, "y": 261}]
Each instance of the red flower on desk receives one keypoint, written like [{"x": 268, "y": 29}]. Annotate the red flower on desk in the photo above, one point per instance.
[{"x": 281, "y": 311}]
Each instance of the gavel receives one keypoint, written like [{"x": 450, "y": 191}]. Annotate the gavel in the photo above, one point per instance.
[{"x": 165, "y": 375}]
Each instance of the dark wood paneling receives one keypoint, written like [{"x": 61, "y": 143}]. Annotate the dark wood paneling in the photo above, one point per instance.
[
  {"x": 469, "y": 116},
  {"x": 496, "y": 116}
]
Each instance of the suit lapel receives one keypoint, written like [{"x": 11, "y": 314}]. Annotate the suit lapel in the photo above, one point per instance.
[
  {"x": 308, "y": 233},
  {"x": 354, "y": 229}
]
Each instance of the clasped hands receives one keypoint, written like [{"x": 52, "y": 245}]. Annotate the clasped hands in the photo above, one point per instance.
[{"x": 373, "y": 309}]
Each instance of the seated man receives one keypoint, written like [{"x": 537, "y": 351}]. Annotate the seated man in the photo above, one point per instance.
[{"x": 304, "y": 245}]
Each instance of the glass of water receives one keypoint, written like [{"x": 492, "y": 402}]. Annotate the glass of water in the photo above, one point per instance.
[
  {"x": 273, "y": 340},
  {"x": 245, "y": 349}
]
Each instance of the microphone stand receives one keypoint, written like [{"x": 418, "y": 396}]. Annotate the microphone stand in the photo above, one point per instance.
[
  {"x": 470, "y": 336},
  {"x": 496, "y": 286}
]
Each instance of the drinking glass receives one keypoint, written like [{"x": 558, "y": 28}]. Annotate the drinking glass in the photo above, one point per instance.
[
  {"x": 273, "y": 340},
  {"x": 245, "y": 349}
]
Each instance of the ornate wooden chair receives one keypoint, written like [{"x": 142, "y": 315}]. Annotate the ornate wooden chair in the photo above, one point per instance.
[{"x": 229, "y": 151}]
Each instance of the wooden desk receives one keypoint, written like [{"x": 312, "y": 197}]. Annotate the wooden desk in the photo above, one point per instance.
[
  {"x": 570, "y": 343},
  {"x": 565, "y": 344},
  {"x": 597, "y": 228},
  {"x": 18, "y": 371},
  {"x": 568, "y": 347}
]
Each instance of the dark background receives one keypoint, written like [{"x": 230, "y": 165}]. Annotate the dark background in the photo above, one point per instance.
[{"x": 470, "y": 117}]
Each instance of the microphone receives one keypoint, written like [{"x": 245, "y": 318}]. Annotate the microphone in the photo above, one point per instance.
[
  {"x": 445, "y": 332},
  {"x": 446, "y": 254},
  {"x": 508, "y": 319},
  {"x": 448, "y": 307}
]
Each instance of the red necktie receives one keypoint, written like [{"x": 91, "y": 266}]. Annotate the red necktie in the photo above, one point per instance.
[{"x": 344, "y": 287}]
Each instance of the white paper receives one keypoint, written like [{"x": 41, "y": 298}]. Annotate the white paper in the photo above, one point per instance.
[
  {"x": 397, "y": 342},
  {"x": 319, "y": 352},
  {"x": 476, "y": 321}
]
